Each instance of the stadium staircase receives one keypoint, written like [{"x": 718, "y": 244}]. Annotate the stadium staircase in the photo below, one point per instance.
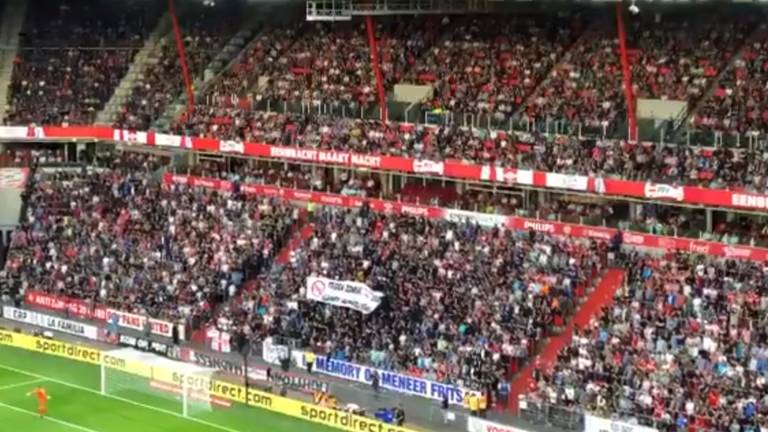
[
  {"x": 758, "y": 33},
  {"x": 301, "y": 231},
  {"x": 231, "y": 52},
  {"x": 143, "y": 59},
  {"x": 544, "y": 84},
  {"x": 600, "y": 297},
  {"x": 10, "y": 27}
]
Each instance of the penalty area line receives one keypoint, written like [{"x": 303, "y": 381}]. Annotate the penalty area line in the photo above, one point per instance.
[
  {"x": 50, "y": 419},
  {"x": 21, "y": 384},
  {"x": 118, "y": 398}
]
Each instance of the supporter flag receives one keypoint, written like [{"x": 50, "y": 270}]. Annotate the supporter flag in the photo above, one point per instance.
[
  {"x": 231, "y": 146},
  {"x": 506, "y": 175},
  {"x": 130, "y": 136},
  {"x": 35, "y": 132},
  {"x": 428, "y": 167},
  {"x": 218, "y": 340},
  {"x": 349, "y": 294}
]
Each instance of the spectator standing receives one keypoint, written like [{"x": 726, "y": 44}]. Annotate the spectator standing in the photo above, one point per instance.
[
  {"x": 147, "y": 326},
  {"x": 375, "y": 382},
  {"x": 474, "y": 404},
  {"x": 309, "y": 359},
  {"x": 503, "y": 392},
  {"x": 399, "y": 415}
]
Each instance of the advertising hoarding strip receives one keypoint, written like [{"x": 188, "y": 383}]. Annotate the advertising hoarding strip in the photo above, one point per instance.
[
  {"x": 511, "y": 222},
  {"x": 85, "y": 310},
  {"x": 450, "y": 168}
]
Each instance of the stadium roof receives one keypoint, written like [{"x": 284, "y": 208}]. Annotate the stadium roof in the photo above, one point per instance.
[{"x": 341, "y": 10}]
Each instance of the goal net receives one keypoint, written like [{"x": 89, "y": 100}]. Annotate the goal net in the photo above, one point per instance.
[{"x": 157, "y": 381}]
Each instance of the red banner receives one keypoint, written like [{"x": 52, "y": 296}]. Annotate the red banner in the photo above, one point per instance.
[
  {"x": 77, "y": 308},
  {"x": 85, "y": 310},
  {"x": 512, "y": 222},
  {"x": 449, "y": 168}
]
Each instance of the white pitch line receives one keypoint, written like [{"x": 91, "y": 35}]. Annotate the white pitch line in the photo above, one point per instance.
[
  {"x": 128, "y": 401},
  {"x": 25, "y": 383},
  {"x": 50, "y": 419}
]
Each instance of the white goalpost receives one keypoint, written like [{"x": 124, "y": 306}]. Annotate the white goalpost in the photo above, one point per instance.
[{"x": 151, "y": 379}]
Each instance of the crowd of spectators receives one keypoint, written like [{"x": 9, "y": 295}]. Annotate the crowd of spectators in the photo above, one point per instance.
[
  {"x": 327, "y": 64},
  {"x": 585, "y": 87},
  {"x": 672, "y": 57},
  {"x": 652, "y": 219},
  {"x": 492, "y": 65},
  {"x": 259, "y": 59},
  {"x": 683, "y": 347},
  {"x": 331, "y": 64},
  {"x": 678, "y": 57},
  {"x": 114, "y": 236},
  {"x": 227, "y": 122},
  {"x": 205, "y": 33},
  {"x": 350, "y": 183},
  {"x": 72, "y": 56},
  {"x": 482, "y": 68},
  {"x": 25, "y": 157},
  {"x": 454, "y": 307},
  {"x": 737, "y": 103},
  {"x": 715, "y": 168}
]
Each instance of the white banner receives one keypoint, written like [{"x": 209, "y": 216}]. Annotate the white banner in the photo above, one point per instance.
[
  {"x": 664, "y": 191},
  {"x": 51, "y": 322},
  {"x": 167, "y": 140},
  {"x": 565, "y": 181},
  {"x": 475, "y": 424},
  {"x": 129, "y": 136},
  {"x": 599, "y": 424},
  {"x": 394, "y": 381},
  {"x": 13, "y": 178},
  {"x": 138, "y": 322},
  {"x": 232, "y": 146},
  {"x": 482, "y": 219},
  {"x": 22, "y": 132},
  {"x": 506, "y": 175},
  {"x": 428, "y": 167},
  {"x": 349, "y": 294},
  {"x": 273, "y": 353}
]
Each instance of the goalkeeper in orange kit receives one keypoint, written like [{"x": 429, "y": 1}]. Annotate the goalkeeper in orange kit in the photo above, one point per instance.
[{"x": 42, "y": 400}]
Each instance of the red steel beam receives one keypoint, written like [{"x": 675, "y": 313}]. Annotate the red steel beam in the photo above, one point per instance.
[
  {"x": 372, "y": 44},
  {"x": 182, "y": 56},
  {"x": 626, "y": 72}
]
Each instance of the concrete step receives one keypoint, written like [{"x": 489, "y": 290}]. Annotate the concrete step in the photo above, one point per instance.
[
  {"x": 145, "y": 57},
  {"x": 10, "y": 27}
]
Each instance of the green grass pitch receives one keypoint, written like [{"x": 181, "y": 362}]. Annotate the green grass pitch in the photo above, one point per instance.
[{"x": 77, "y": 405}]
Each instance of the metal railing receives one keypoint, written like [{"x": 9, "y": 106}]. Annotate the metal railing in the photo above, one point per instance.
[
  {"x": 572, "y": 417},
  {"x": 545, "y": 414},
  {"x": 671, "y": 132}
]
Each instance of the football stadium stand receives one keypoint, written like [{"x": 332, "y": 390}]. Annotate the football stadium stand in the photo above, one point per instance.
[{"x": 563, "y": 210}]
